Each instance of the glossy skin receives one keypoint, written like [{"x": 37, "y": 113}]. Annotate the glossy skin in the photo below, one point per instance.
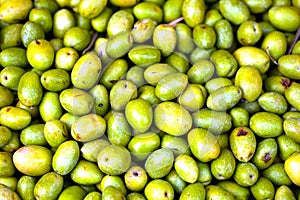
[
  {"x": 199, "y": 138},
  {"x": 170, "y": 112},
  {"x": 36, "y": 156},
  {"x": 251, "y": 88},
  {"x": 48, "y": 186},
  {"x": 163, "y": 190},
  {"x": 149, "y": 99}
]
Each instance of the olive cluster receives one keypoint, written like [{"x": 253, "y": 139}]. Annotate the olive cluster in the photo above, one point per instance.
[{"x": 150, "y": 99}]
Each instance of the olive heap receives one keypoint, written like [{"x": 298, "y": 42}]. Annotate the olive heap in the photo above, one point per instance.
[{"x": 150, "y": 99}]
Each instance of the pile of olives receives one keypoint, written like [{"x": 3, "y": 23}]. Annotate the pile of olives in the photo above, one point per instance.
[{"x": 149, "y": 99}]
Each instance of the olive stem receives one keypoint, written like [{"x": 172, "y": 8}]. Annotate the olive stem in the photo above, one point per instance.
[
  {"x": 294, "y": 41},
  {"x": 271, "y": 58},
  {"x": 89, "y": 47},
  {"x": 176, "y": 21}
]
